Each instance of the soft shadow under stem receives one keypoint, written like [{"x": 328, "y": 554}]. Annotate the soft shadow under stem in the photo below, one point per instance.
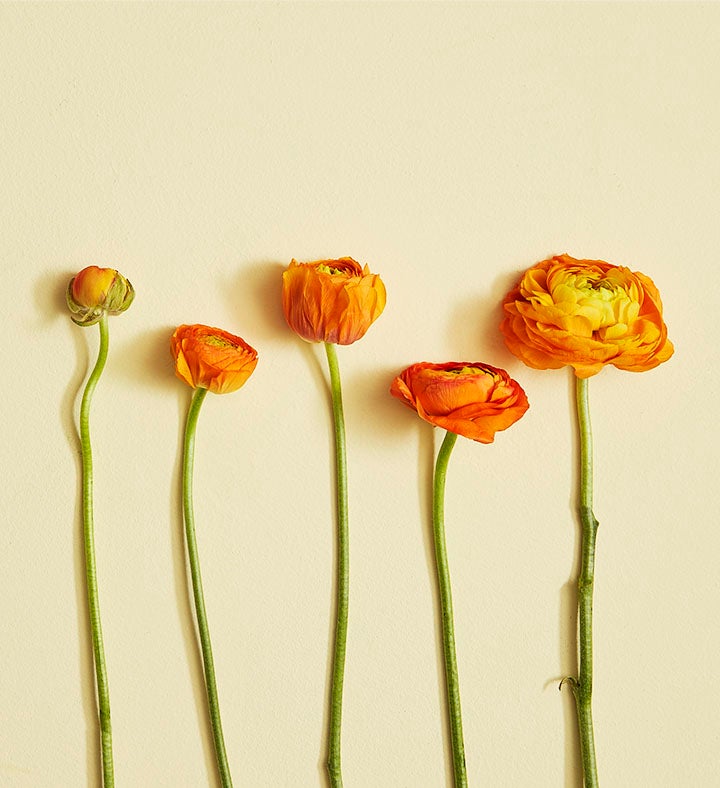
[
  {"x": 426, "y": 472},
  {"x": 334, "y": 765},
  {"x": 103, "y": 694},
  {"x": 89, "y": 702},
  {"x": 582, "y": 686},
  {"x": 185, "y": 603},
  {"x": 446, "y": 606},
  {"x": 203, "y": 630},
  {"x": 568, "y": 625}
]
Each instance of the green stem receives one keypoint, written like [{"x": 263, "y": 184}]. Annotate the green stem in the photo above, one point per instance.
[
  {"x": 207, "y": 655},
  {"x": 582, "y": 689},
  {"x": 90, "y": 564},
  {"x": 446, "y": 605},
  {"x": 343, "y": 575}
]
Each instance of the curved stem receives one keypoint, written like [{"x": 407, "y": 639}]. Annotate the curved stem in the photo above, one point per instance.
[
  {"x": 448, "y": 627},
  {"x": 582, "y": 689},
  {"x": 207, "y": 655},
  {"x": 343, "y": 576},
  {"x": 90, "y": 564}
]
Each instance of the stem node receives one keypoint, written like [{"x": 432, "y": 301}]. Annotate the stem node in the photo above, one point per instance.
[{"x": 582, "y": 688}]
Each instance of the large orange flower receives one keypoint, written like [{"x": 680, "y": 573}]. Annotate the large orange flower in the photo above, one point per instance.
[
  {"x": 586, "y": 314},
  {"x": 212, "y": 359},
  {"x": 473, "y": 400},
  {"x": 96, "y": 291},
  {"x": 332, "y": 301}
]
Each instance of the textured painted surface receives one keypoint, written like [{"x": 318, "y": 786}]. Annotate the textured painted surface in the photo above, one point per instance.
[{"x": 198, "y": 148}]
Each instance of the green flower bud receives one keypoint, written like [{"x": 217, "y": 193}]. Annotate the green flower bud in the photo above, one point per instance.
[{"x": 97, "y": 291}]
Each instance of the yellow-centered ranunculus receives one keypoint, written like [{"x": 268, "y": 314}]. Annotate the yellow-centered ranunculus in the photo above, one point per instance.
[{"x": 585, "y": 314}]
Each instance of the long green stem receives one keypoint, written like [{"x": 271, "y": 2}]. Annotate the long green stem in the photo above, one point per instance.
[
  {"x": 207, "y": 655},
  {"x": 446, "y": 606},
  {"x": 582, "y": 689},
  {"x": 343, "y": 576},
  {"x": 90, "y": 564}
]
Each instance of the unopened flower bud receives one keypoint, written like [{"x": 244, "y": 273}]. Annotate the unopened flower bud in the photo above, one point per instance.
[{"x": 97, "y": 291}]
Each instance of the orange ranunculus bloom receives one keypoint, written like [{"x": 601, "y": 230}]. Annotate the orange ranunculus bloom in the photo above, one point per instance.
[
  {"x": 212, "y": 359},
  {"x": 586, "y": 314},
  {"x": 332, "y": 301},
  {"x": 95, "y": 291},
  {"x": 473, "y": 400}
]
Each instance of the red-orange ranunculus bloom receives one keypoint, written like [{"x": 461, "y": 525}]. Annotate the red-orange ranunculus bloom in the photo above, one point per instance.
[
  {"x": 470, "y": 399},
  {"x": 332, "y": 301},
  {"x": 586, "y": 314},
  {"x": 212, "y": 359},
  {"x": 95, "y": 291}
]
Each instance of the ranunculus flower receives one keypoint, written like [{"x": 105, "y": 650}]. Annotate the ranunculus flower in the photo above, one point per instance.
[
  {"x": 474, "y": 400},
  {"x": 333, "y": 301},
  {"x": 92, "y": 295},
  {"x": 469, "y": 399},
  {"x": 586, "y": 314},
  {"x": 95, "y": 291},
  {"x": 212, "y": 359}
]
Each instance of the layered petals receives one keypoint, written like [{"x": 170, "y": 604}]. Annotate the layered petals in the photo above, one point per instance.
[
  {"x": 332, "y": 301},
  {"x": 585, "y": 314},
  {"x": 473, "y": 400},
  {"x": 211, "y": 358},
  {"x": 97, "y": 291}
]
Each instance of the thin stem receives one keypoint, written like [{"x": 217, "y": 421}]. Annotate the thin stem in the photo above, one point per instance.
[
  {"x": 343, "y": 575},
  {"x": 207, "y": 655},
  {"x": 446, "y": 606},
  {"x": 582, "y": 689},
  {"x": 90, "y": 564}
]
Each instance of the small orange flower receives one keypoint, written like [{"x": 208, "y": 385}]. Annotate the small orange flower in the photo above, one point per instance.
[
  {"x": 332, "y": 301},
  {"x": 95, "y": 291},
  {"x": 586, "y": 314},
  {"x": 473, "y": 400},
  {"x": 212, "y": 359}
]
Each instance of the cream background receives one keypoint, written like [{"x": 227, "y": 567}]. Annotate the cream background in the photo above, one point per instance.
[{"x": 198, "y": 148}]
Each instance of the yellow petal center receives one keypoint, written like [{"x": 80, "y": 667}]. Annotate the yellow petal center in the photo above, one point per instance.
[
  {"x": 216, "y": 341},
  {"x": 601, "y": 303},
  {"x": 326, "y": 269}
]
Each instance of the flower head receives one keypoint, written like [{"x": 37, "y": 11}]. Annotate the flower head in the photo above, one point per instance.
[
  {"x": 586, "y": 314},
  {"x": 470, "y": 399},
  {"x": 97, "y": 291},
  {"x": 212, "y": 359},
  {"x": 332, "y": 301}
]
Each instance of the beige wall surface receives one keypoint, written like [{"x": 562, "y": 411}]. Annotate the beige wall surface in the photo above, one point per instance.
[{"x": 198, "y": 148}]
